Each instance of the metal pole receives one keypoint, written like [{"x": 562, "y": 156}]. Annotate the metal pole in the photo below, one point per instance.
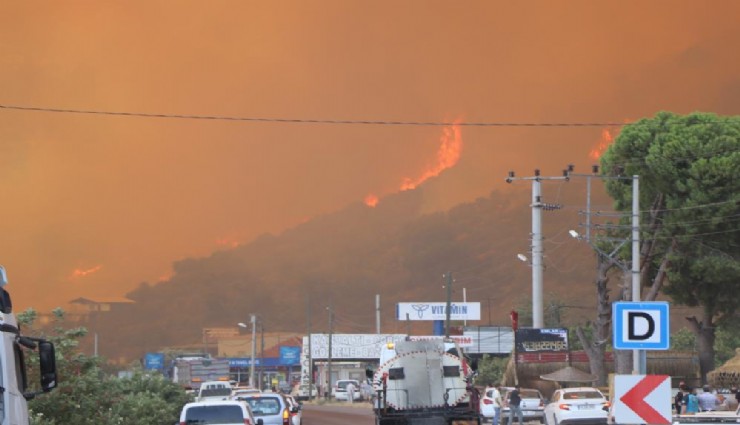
[
  {"x": 254, "y": 348},
  {"x": 537, "y": 307},
  {"x": 637, "y": 367},
  {"x": 377, "y": 314},
  {"x": 309, "y": 355},
  {"x": 588, "y": 209},
  {"x": 262, "y": 351},
  {"x": 465, "y": 301},
  {"x": 331, "y": 337},
  {"x": 449, "y": 305}
]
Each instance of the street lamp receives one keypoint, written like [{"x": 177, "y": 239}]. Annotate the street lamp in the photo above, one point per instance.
[{"x": 253, "y": 319}]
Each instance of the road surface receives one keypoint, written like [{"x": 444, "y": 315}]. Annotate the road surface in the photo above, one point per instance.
[{"x": 338, "y": 415}]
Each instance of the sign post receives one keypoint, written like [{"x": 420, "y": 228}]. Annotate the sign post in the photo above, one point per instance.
[
  {"x": 641, "y": 326},
  {"x": 642, "y": 399}
]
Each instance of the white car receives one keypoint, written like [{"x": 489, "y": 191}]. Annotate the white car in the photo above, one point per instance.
[
  {"x": 214, "y": 390},
  {"x": 295, "y": 408},
  {"x": 577, "y": 405},
  {"x": 487, "y": 405},
  {"x": 236, "y": 393},
  {"x": 532, "y": 405},
  {"x": 226, "y": 412},
  {"x": 340, "y": 390}
]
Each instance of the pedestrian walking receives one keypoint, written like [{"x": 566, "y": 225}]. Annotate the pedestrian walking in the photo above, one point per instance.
[
  {"x": 514, "y": 406},
  {"x": 498, "y": 403},
  {"x": 351, "y": 392}
]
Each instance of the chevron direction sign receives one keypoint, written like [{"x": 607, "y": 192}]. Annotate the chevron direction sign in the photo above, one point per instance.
[{"x": 642, "y": 399}]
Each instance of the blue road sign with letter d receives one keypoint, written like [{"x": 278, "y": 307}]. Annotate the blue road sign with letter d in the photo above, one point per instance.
[{"x": 641, "y": 325}]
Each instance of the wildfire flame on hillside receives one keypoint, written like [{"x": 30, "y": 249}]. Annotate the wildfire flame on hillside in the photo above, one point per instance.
[
  {"x": 607, "y": 138},
  {"x": 371, "y": 200},
  {"x": 448, "y": 154},
  {"x": 228, "y": 242},
  {"x": 82, "y": 273}
]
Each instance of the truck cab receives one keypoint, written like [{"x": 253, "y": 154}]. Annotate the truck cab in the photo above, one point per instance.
[{"x": 13, "y": 347}]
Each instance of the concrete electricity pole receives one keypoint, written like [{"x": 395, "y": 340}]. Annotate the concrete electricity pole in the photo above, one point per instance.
[
  {"x": 449, "y": 304},
  {"x": 254, "y": 349},
  {"x": 331, "y": 337},
  {"x": 309, "y": 355},
  {"x": 537, "y": 250}
]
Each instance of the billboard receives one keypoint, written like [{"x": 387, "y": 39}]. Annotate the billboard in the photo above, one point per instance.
[
  {"x": 154, "y": 361},
  {"x": 462, "y": 340},
  {"x": 290, "y": 356},
  {"x": 437, "y": 311},
  {"x": 538, "y": 340}
]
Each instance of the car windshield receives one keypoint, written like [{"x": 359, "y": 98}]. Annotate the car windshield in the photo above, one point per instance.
[
  {"x": 203, "y": 415},
  {"x": 264, "y": 406},
  {"x": 529, "y": 394},
  {"x": 577, "y": 395}
]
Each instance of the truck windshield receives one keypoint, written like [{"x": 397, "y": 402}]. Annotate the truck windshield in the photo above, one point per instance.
[{"x": 215, "y": 392}]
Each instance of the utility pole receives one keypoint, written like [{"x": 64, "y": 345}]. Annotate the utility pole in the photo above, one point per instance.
[
  {"x": 537, "y": 249},
  {"x": 309, "y": 355},
  {"x": 448, "y": 308},
  {"x": 262, "y": 349},
  {"x": 638, "y": 365},
  {"x": 489, "y": 311},
  {"x": 254, "y": 348},
  {"x": 331, "y": 337},
  {"x": 377, "y": 314},
  {"x": 639, "y": 362}
]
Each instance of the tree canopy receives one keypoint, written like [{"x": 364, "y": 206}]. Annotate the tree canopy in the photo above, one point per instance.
[
  {"x": 88, "y": 395},
  {"x": 688, "y": 168}
]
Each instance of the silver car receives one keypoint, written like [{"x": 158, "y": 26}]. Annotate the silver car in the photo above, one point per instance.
[
  {"x": 269, "y": 408},
  {"x": 532, "y": 405}
]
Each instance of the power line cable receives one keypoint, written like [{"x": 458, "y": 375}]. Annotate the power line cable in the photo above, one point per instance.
[{"x": 306, "y": 120}]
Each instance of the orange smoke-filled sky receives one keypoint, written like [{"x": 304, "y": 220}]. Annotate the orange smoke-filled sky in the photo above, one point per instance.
[{"x": 94, "y": 204}]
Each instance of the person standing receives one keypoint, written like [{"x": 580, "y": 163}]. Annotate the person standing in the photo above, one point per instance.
[
  {"x": 733, "y": 399},
  {"x": 678, "y": 400},
  {"x": 707, "y": 400},
  {"x": 691, "y": 403},
  {"x": 351, "y": 392},
  {"x": 515, "y": 401},
  {"x": 498, "y": 403}
]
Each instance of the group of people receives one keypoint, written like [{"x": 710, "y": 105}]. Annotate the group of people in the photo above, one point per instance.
[
  {"x": 515, "y": 401},
  {"x": 688, "y": 402}
]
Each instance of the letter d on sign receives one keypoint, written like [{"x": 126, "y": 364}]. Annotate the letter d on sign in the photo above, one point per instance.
[{"x": 640, "y": 325}]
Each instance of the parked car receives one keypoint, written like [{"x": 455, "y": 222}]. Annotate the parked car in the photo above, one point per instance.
[
  {"x": 577, "y": 405},
  {"x": 340, "y": 390},
  {"x": 487, "y": 405},
  {"x": 222, "y": 412},
  {"x": 296, "y": 408},
  {"x": 270, "y": 408},
  {"x": 301, "y": 392},
  {"x": 532, "y": 405}
]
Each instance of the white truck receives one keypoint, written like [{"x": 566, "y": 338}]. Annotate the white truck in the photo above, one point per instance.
[
  {"x": 191, "y": 371},
  {"x": 424, "y": 383},
  {"x": 14, "y": 394}
]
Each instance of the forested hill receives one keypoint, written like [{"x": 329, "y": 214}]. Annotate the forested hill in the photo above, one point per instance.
[{"x": 344, "y": 259}]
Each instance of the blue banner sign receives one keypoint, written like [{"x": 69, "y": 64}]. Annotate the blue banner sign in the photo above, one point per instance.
[
  {"x": 290, "y": 356},
  {"x": 154, "y": 361}
]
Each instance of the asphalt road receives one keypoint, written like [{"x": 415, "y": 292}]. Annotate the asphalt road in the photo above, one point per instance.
[{"x": 360, "y": 414}]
